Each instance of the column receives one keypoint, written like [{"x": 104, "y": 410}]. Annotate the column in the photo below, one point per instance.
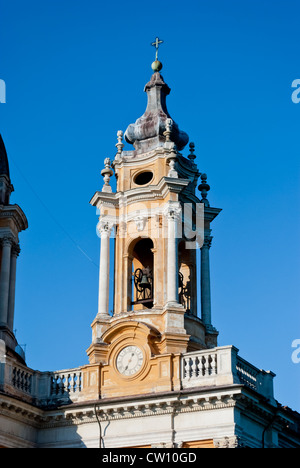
[
  {"x": 126, "y": 292},
  {"x": 103, "y": 301},
  {"x": 5, "y": 279},
  {"x": 174, "y": 215},
  {"x": 12, "y": 287},
  {"x": 205, "y": 282}
]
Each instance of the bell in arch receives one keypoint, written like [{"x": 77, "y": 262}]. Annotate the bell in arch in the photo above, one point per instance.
[{"x": 145, "y": 283}]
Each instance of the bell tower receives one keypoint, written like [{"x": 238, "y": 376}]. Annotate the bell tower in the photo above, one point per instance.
[
  {"x": 158, "y": 223},
  {"x": 12, "y": 222}
]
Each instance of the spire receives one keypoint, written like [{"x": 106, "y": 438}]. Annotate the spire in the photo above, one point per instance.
[{"x": 148, "y": 131}]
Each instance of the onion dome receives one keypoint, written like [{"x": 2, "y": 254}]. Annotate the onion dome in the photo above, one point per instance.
[{"x": 148, "y": 130}]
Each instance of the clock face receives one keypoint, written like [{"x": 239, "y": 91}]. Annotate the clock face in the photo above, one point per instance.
[{"x": 130, "y": 360}]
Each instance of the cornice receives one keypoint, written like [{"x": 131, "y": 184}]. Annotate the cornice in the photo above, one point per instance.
[
  {"x": 130, "y": 158},
  {"x": 148, "y": 193},
  {"x": 20, "y": 411},
  {"x": 174, "y": 404},
  {"x": 17, "y": 214}
]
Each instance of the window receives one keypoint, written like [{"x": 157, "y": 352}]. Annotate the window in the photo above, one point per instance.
[{"x": 143, "y": 178}]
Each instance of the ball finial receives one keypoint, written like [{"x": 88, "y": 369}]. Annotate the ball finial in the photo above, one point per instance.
[{"x": 156, "y": 66}]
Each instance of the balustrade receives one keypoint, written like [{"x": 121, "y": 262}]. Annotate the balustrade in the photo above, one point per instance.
[
  {"x": 212, "y": 367},
  {"x": 222, "y": 365},
  {"x": 65, "y": 383},
  {"x": 21, "y": 379}
]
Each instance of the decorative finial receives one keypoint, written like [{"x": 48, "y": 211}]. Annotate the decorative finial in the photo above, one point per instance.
[
  {"x": 156, "y": 65},
  {"x": 107, "y": 173},
  {"x": 171, "y": 147},
  {"x": 192, "y": 156},
  {"x": 204, "y": 188},
  {"x": 168, "y": 131},
  {"x": 120, "y": 144}
]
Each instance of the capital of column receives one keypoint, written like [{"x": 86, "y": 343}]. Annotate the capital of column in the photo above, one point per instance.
[
  {"x": 173, "y": 211},
  {"x": 6, "y": 241},
  {"x": 15, "y": 250},
  {"x": 207, "y": 242},
  {"x": 105, "y": 227}
]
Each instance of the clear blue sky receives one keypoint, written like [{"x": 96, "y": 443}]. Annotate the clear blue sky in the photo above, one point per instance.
[{"x": 75, "y": 73}]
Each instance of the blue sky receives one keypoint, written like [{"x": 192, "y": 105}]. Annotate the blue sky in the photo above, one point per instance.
[{"x": 75, "y": 73}]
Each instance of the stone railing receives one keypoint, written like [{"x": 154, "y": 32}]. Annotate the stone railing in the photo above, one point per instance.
[
  {"x": 38, "y": 387},
  {"x": 66, "y": 383},
  {"x": 223, "y": 366},
  {"x": 248, "y": 374},
  {"x": 213, "y": 367},
  {"x": 21, "y": 379}
]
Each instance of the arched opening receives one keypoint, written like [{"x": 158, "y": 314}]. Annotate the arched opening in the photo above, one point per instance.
[
  {"x": 142, "y": 274},
  {"x": 186, "y": 286}
]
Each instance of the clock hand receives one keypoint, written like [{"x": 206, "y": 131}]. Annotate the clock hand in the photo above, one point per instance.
[{"x": 129, "y": 361}]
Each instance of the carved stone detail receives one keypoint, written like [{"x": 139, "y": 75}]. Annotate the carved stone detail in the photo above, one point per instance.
[
  {"x": 140, "y": 222},
  {"x": 105, "y": 227}
]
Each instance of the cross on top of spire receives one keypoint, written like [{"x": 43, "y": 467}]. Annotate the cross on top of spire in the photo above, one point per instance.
[{"x": 156, "y": 44}]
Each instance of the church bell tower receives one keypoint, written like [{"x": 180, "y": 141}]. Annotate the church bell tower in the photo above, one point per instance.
[
  {"x": 12, "y": 222},
  {"x": 158, "y": 221}
]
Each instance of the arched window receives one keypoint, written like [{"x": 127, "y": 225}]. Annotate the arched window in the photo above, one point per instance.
[{"x": 186, "y": 284}]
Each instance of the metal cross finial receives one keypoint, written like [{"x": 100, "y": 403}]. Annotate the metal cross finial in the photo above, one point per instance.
[{"x": 156, "y": 44}]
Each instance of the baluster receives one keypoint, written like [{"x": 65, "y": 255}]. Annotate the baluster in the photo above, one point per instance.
[
  {"x": 75, "y": 382},
  {"x": 61, "y": 384},
  {"x": 186, "y": 368},
  {"x": 78, "y": 381},
  {"x": 206, "y": 365},
  {"x": 55, "y": 385},
  {"x": 68, "y": 383},
  {"x": 213, "y": 364},
  {"x": 193, "y": 368},
  {"x": 72, "y": 383},
  {"x": 203, "y": 365},
  {"x": 18, "y": 378},
  {"x": 51, "y": 386},
  {"x": 26, "y": 382},
  {"x": 197, "y": 366},
  {"x": 29, "y": 383}
]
